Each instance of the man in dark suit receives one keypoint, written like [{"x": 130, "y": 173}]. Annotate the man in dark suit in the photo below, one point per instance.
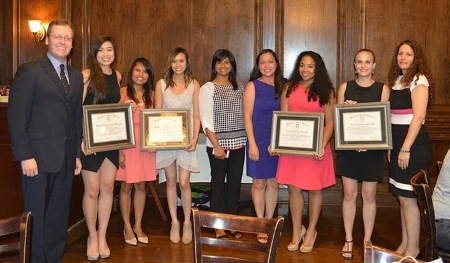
[{"x": 45, "y": 123}]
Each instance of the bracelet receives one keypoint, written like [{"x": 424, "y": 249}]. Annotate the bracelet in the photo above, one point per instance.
[{"x": 404, "y": 151}]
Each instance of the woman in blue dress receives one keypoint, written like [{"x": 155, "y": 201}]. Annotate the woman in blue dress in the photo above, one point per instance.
[{"x": 261, "y": 98}]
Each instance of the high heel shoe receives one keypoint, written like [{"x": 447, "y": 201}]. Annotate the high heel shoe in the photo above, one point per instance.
[
  {"x": 105, "y": 253},
  {"x": 91, "y": 256},
  {"x": 142, "y": 239},
  {"x": 347, "y": 253},
  {"x": 132, "y": 241},
  {"x": 187, "y": 233},
  {"x": 175, "y": 232},
  {"x": 305, "y": 249},
  {"x": 294, "y": 247}
]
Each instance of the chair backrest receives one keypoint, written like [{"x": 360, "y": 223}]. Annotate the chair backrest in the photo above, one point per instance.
[
  {"x": 422, "y": 189},
  {"x": 243, "y": 250},
  {"x": 376, "y": 254},
  {"x": 439, "y": 166},
  {"x": 15, "y": 238}
]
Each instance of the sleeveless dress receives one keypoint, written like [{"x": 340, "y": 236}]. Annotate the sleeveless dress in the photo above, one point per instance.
[
  {"x": 139, "y": 166},
  {"x": 185, "y": 159},
  {"x": 420, "y": 155},
  {"x": 94, "y": 161},
  {"x": 301, "y": 171},
  {"x": 265, "y": 104},
  {"x": 362, "y": 166}
]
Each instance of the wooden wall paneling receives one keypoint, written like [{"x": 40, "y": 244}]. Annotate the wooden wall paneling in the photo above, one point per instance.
[
  {"x": 351, "y": 38},
  {"x": 153, "y": 28},
  {"x": 11, "y": 203},
  {"x": 390, "y": 22},
  {"x": 43, "y": 10},
  {"x": 311, "y": 25},
  {"x": 6, "y": 45}
]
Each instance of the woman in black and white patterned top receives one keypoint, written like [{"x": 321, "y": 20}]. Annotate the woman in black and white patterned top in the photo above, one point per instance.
[{"x": 223, "y": 123}]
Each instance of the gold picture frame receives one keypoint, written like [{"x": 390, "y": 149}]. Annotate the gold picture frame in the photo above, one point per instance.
[{"x": 165, "y": 129}]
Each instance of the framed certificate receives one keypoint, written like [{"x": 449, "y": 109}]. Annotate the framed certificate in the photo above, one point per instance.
[
  {"x": 363, "y": 126},
  {"x": 108, "y": 127},
  {"x": 165, "y": 129},
  {"x": 297, "y": 133}
]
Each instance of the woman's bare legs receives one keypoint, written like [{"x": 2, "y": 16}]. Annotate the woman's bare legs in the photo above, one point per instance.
[
  {"x": 315, "y": 207},
  {"x": 140, "y": 195},
  {"x": 107, "y": 174},
  {"x": 172, "y": 198},
  {"x": 97, "y": 203},
  {"x": 412, "y": 224},
  {"x": 349, "y": 211},
  {"x": 369, "y": 192},
  {"x": 258, "y": 196},
  {"x": 296, "y": 204},
  {"x": 125, "y": 208},
  {"x": 91, "y": 182},
  {"x": 271, "y": 197},
  {"x": 186, "y": 202}
]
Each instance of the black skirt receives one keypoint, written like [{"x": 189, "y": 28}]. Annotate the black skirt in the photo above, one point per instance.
[{"x": 420, "y": 158}]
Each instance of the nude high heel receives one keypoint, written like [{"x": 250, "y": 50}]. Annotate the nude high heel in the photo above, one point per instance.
[
  {"x": 187, "y": 233},
  {"x": 294, "y": 247},
  {"x": 175, "y": 232},
  {"x": 305, "y": 249}
]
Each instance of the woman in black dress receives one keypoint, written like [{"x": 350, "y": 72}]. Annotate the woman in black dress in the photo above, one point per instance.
[
  {"x": 410, "y": 82},
  {"x": 361, "y": 165},
  {"x": 101, "y": 86}
]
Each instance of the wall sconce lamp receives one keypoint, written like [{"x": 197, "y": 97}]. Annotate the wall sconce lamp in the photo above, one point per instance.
[{"x": 37, "y": 29}]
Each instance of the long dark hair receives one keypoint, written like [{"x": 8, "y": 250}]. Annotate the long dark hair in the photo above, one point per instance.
[
  {"x": 168, "y": 74},
  {"x": 419, "y": 65},
  {"x": 321, "y": 88},
  {"x": 278, "y": 79},
  {"x": 221, "y": 55},
  {"x": 97, "y": 83},
  {"x": 148, "y": 86}
]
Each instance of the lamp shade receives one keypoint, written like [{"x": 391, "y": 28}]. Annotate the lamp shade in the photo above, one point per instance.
[{"x": 35, "y": 25}]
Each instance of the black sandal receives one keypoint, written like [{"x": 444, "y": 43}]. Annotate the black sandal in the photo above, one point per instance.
[{"x": 347, "y": 254}]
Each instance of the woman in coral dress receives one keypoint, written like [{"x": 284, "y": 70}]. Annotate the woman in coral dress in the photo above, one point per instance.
[
  {"x": 136, "y": 167},
  {"x": 309, "y": 89}
]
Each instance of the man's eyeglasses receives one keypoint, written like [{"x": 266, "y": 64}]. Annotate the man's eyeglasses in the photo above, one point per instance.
[{"x": 59, "y": 37}]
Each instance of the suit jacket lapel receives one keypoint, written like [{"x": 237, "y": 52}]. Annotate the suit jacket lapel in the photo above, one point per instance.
[{"x": 50, "y": 70}]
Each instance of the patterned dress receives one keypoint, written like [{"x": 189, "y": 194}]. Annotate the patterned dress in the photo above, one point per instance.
[
  {"x": 420, "y": 155},
  {"x": 185, "y": 159}
]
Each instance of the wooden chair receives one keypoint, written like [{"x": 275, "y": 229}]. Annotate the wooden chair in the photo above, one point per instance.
[
  {"x": 421, "y": 187},
  {"x": 439, "y": 166},
  {"x": 376, "y": 254},
  {"x": 151, "y": 187},
  {"x": 15, "y": 235},
  {"x": 235, "y": 250}
]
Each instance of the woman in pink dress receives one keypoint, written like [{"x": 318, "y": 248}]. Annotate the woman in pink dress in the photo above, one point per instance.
[
  {"x": 136, "y": 167},
  {"x": 309, "y": 89}
]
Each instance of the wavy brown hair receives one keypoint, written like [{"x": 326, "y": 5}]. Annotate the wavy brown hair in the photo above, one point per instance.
[{"x": 419, "y": 65}]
